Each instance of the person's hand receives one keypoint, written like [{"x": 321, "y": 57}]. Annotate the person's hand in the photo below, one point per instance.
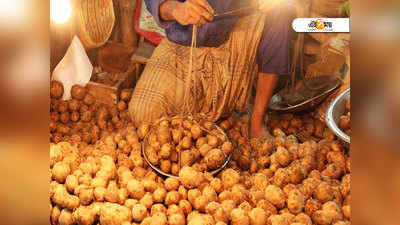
[
  {"x": 195, "y": 12},
  {"x": 267, "y": 5}
]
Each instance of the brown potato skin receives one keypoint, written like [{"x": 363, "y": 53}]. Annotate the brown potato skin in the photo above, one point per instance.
[
  {"x": 56, "y": 89},
  {"x": 78, "y": 92}
]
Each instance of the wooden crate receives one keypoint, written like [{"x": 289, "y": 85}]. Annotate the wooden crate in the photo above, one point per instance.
[{"x": 108, "y": 95}]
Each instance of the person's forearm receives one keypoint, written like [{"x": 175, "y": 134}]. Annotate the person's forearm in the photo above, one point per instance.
[{"x": 166, "y": 10}]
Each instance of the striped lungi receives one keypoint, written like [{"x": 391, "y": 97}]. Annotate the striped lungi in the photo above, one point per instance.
[{"x": 221, "y": 80}]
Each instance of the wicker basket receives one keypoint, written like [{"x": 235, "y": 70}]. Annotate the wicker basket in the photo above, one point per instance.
[
  {"x": 95, "y": 21},
  {"x": 327, "y": 8}
]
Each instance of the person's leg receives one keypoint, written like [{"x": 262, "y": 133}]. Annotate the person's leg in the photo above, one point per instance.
[{"x": 265, "y": 86}]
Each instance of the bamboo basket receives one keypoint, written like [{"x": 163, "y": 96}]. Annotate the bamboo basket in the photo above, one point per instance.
[{"x": 95, "y": 21}]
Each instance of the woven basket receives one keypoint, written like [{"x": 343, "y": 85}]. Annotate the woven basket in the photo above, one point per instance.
[
  {"x": 327, "y": 8},
  {"x": 95, "y": 22}
]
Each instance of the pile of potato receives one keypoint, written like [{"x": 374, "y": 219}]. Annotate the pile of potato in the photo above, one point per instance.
[
  {"x": 293, "y": 124},
  {"x": 275, "y": 182},
  {"x": 82, "y": 119},
  {"x": 344, "y": 121},
  {"x": 177, "y": 142}
]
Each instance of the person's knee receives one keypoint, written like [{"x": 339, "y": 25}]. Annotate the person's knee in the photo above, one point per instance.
[
  {"x": 145, "y": 111},
  {"x": 135, "y": 112}
]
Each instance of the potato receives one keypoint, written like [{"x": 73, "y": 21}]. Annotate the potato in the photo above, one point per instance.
[
  {"x": 200, "y": 142},
  {"x": 55, "y": 214},
  {"x": 147, "y": 200},
  {"x": 321, "y": 217},
  {"x": 212, "y": 207},
  {"x": 99, "y": 193},
  {"x": 171, "y": 198},
  {"x": 283, "y": 156},
  {"x": 193, "y": 194},
  {"x": 229, "y": 178},
  {"x": 165, "y": 166},
  {"x": 281, "y": 177},
  {"x": 63, "y": 106},
  {"x": 190, "y": 178},
  {"x": 177, "y": 135},
  {"x": 135, "y": 189},
  {"x": 227, "y": 147},
  {"x": 165, "y": 151},
  {"x": 196, "y": 131},
  {"x": 311, "y": 206},
  {"x": 212, "y": 141},
  {"x": 89, "y": 99},
  {"x": 204, "y": 149},
  {"x": 175, "y": 169},
  {"x": 186, "y": 142},
  {"x": 216, "y": 184},
  {"x": 56, "y": 89},
  {"x": 221, "y": 216},
  {"x": 260, "y": 181},
  {"x": 73, "y": 105},
  {"x": 159, "y": 195},
  {"x": 200, "y": 219},
  {"x": 139, "y": 212},
  {"x": 323, "y": 192},
  {"x": 158, "y": 208},
  {"x": 209, "y": 193},
  {"x": 245, "y": 206},
  {"x": 84, "y": 215},
  {"x": 214, "y": 159},
  {"x": 258, "y": 217},
  {"x": 122, "y": 195},
  {"x": 200, "y": 203},
  {"x": 333, "y": 171},
  {"x": 66, "y": 218},
  {"x": 143, "y": 130},
  {"x": 224, "y": 195},
  {"x": 62, "y": 198},
  {"x": 344, "y": 122},
  {"x": 275, "y": 195},
  {"x": 239, "y": 194},
  {"x": 176, "y": 219},
  {"x": 185, "y": 206},
  {"x": 71, "y": 182},
  {"x": 346, "y": 209},
  {"x": 187, "y": 158},
  {"x": 239, "y": 217},
  {"x": 74, "y": 116},
  {"x": 121, "y": 105},
  {"x": 296, "y": 173},
  {"x": 111, "y": 213},
  {"x": 112, "y": 194},
  {"x": 60, "y": 171},
  {"x": 78, "y": 92},
  {"x": 295, "y": 201},
  {"x": 86, "y": 116}
]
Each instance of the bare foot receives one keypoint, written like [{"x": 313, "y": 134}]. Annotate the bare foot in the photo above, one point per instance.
[{"x": 258, "y": 129}]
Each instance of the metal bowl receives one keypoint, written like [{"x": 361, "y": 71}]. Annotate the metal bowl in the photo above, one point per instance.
[
  {"x": 145, "y": 143},
  {"x": 333, "y": 113},
  {"x": 276, "y": 103}
]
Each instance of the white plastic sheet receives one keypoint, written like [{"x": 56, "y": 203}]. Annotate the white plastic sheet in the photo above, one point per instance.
[{"x": 74, "y": 68}]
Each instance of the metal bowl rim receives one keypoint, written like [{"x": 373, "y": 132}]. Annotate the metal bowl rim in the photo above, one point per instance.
[
  {"x": 308, "y": 101},
  {"x": 329, "y": 117}
]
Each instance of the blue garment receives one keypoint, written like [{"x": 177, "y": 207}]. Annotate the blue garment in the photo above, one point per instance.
[{"x": 273, "y": 50}]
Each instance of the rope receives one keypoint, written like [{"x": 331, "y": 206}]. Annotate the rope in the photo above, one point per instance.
[{"x": 188, "y": 82}]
